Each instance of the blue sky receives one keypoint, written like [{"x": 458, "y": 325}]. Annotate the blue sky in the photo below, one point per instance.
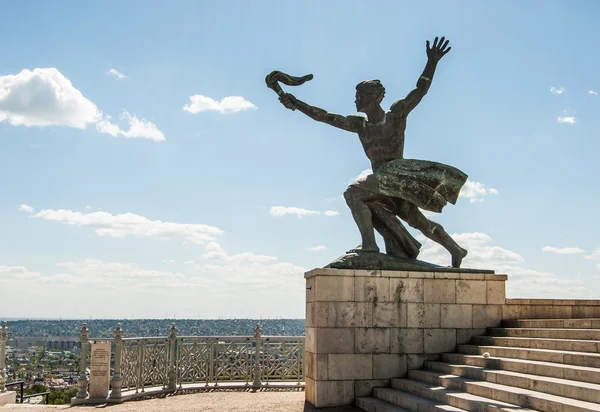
[{"x": 115, "y": 201}]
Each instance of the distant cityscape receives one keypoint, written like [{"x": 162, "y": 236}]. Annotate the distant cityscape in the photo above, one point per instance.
[
  {"x": 45, "y": 353},
  {"x": 46, "y": 330}
]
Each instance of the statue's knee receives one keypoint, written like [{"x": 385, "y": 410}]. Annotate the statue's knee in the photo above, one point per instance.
[{"x": 350, "y": 195}]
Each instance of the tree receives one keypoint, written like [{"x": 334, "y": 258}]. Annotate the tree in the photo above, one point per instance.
[{"x": 36, "y": 388}]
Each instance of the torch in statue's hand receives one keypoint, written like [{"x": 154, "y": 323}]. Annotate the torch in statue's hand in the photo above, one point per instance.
[{"x": 286, "y": 99}]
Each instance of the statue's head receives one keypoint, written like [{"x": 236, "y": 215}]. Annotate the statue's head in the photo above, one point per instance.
[{"x": 368, "y": 93}]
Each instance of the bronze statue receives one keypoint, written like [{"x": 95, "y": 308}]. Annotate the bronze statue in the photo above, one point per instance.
[{"x": 397, "y": 187}]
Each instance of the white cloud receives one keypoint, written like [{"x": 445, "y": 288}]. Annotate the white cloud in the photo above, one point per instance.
[
  {"x": 168, "y": 261},
  {"x": 17, "y": 273},
  {"x": 136, "y": 128},
  {"x": 229, "y": 104},
  {"x": 481, "y": 254},
  {"x": 214, "y": 286},
  {"x": 567, "y": 119},
  {"x": 594, "y": 256},
  {"x": 26, "y": 208},
  {"x": 130, "y": 224},
  {"x": 593, "y": 92},
  {"x": 97, "y": 271},
  {"x": 298, "y": 211},
  {"x": 362, "y": 175},
  {"x": 476, "y": 191},
  {"x": 523, "y": 282},
  {"x": 117, "y": 74},
  {"x": 44, "y": 97},
  {"x": 249, "y": 270},
  {"x": 562, "y": 251},
  {"x": 215, "y": 251},
  {"x": 555, "y": 90},
  {"x": 319, "y": 248}
]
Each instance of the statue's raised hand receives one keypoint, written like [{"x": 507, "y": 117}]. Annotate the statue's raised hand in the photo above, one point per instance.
[
  {"x": 288, "y": 100},
  {"x": 439, "y": 49}
]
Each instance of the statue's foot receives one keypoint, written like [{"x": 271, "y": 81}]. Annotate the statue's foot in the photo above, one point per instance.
[
  {"x": 458, "y": 256},
  {"x": 363, "y": 249}
]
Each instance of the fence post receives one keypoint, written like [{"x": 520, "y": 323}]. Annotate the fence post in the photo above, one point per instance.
[
  {"x": 117, "y": 378},
  {"x": 83, "y": 381},
  {"x": 3, "y": 339},
  {"x": 172, "y": 375},
  {"x": 256, "y": 383}
]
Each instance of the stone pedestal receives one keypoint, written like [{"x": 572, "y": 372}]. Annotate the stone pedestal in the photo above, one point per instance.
[{"x": 364, "y": 327}]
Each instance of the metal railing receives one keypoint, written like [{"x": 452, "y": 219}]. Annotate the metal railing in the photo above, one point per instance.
[
  {"x": 3, "y": 339},
  {"x": 176, "y": 362},
  {"x": 20, "y": 392},
  {"x": 45, "y": 395},
  {"x": 3, "y": 371},
  {"x": 180, "y": 362}
]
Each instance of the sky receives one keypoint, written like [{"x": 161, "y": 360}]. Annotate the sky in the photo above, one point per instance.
[{"x": 146, "y": 171}]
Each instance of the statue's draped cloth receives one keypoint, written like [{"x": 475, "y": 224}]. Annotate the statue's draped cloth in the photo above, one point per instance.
[{"x": 428, "y": 185}]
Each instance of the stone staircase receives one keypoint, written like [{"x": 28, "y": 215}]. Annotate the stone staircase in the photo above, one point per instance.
[{"x": 533, "y": 365}]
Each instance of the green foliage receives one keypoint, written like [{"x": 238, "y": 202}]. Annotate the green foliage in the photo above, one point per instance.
[
  {"x": 35, "y": 359},
  {"x": 36, "y": 388},
  {"x": 61, "y": 397}
]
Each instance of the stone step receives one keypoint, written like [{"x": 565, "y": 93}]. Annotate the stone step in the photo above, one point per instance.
[
  {"x": 417, "y": 403},
  {"x": 571, "y": 345},
  {"x": 540, "y": 368},
  {"x": 544, "y": 355},
  {"x": 462, "y": 400},
  {"x": 552, "y": 333},
  {"x": 575, "y": 389},
  {"x": 410, "y": 401},
  {"x": 494, "y": 391},
  {"x": 590, "y": 323},
  {"x": 370, "y": 404}
]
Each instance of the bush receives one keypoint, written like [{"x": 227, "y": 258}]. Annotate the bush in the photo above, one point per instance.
[
  {"x": 36, "y": 388},
  {"x": 61, "y": 396}
]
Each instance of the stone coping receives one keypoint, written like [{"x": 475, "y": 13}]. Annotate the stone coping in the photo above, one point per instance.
[
  {"x": 554, "y": 302},
  {"x": 7, "y": 397},
  {"x": 471, "y": 275}
]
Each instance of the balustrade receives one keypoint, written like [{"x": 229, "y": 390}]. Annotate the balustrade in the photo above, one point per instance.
[
  {"x": 186, "y": 362},
  {"x": 3, "y": 339}
]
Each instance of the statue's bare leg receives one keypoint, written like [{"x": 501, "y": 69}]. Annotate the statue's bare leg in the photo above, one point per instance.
[
  {"x": 398, "y": 241},
  {"x": 357, "y": 198},
  {"x": 434, "y": 231}
]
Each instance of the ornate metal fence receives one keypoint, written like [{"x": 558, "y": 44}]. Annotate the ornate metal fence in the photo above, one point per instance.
[
  {"x": 177, "y": 362},
  {"x": 3, "y": 339}
]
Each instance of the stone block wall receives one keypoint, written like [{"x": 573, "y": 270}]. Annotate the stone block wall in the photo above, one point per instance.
[
  {"x": 365, "y": 327},
  {"x": 550, "y": 309}
]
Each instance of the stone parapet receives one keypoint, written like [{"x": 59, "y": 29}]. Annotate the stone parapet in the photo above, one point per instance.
[
  {"x": 364, "y": 327},
  {"x": 550, "y": 309},
  {"x": 8, "y": 397}
]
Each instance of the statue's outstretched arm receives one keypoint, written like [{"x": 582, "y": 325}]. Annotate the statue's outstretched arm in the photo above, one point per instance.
[
  {"x": 434, "y": 54},
  {"x": 349, "y": 123}
]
